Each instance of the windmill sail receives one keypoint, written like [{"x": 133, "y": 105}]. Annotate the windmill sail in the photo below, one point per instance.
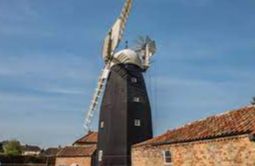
[
  {"x": 146, "y": 48},
  {"x": 111, "y": 42},
  {"x": 97, "y": 94},
  {"x": 115, "y": 34}
]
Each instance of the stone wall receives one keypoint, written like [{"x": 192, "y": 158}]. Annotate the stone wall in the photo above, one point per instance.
[
  {"x": 67, "y": 161},
  {"x": 229, "y": 151}
]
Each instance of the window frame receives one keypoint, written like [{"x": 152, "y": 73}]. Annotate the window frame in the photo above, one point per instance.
[
  {"x": 136, "y": 99},
  {"x": 134, "y": 80},
  {"x": 74, "y": 164},
  {"x": 101, "y": 124},
  {"x": 100, "y": 155},
  {"x": 167, "y": 157},
  {"x": 137, "y": 123}
]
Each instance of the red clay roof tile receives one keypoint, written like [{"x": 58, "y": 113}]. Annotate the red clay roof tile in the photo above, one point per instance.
[
  {"x": 241, "y": 121},
  {"x": 90, "y": 138},
  {"x": 72, "y": 151}
]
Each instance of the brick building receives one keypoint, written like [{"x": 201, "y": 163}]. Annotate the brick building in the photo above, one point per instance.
[
  {"x": 50, "y": 152},
  {"x": 87, "y": 140},
  {"x": 30, "y": 150},
  {"x": 81, "y": 153},
  {"x": 225, "y": 140}
]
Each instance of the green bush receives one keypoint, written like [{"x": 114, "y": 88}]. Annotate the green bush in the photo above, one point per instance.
[{"x": 12, "y": 148}]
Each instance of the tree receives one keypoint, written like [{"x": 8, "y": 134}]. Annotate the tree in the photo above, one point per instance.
[
  {"x": 1, "y": 148},
  {"x": 12, "y": 147}
]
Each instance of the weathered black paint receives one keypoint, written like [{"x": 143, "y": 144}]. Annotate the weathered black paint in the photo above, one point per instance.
[{"x": 118, "y": 112}]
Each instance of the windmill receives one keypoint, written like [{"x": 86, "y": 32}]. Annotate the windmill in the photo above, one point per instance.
[
  {"x": 145, "y": 48},
  {"x": 125, "y": 115}
]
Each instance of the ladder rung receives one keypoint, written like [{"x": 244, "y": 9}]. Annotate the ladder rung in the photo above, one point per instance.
[{"x": 97, "y": 94}]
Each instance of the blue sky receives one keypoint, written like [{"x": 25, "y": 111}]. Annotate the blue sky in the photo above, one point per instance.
[{"x": 50, "y": 58}]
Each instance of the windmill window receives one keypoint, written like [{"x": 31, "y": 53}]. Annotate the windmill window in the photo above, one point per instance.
[
  {"x": 134, "y": 80},
  {"x": 136, "y": 99},
  {"x": 167, "y": 157},
  {"x": 137, "y": 122},
  {"x": 100, "y": 155},
  {"x": 102, "y": 124}
]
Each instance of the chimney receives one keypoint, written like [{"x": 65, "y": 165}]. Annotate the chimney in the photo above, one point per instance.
[{"x": 253, "y": 101}]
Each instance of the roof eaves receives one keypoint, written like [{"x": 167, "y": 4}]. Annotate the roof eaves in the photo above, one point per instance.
[
  {"x": 199, "y": 139},
  {"x": 74, "y": 156}
]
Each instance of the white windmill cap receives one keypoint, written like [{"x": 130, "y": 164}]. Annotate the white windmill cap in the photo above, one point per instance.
[{"x": 127, "y": 56}]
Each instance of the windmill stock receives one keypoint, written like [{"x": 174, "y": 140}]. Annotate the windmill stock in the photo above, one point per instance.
[
  {"x": 111, "y": 42},
  {"x": 125, "y": 113}
]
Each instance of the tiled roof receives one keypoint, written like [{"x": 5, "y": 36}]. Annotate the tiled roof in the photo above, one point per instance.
[
  {"x": 30, "y": 148},
  {"x": 51, "y": 151},
  {"x": 72, "y": 151},
  {"x": 236, "y": 122},
  {"x": 90, "y": 138}
]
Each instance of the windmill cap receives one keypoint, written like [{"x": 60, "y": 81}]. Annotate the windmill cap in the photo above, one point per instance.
[{"x": 127, "y": 56}]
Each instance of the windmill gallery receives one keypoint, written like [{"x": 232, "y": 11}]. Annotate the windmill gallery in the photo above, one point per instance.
[{"x": 125, "y": 134}]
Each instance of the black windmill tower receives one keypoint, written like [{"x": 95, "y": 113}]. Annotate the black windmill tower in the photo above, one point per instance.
[{"x": 125, "y": 113}]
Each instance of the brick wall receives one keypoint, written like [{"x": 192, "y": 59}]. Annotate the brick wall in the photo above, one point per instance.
[
  {"x": 67, "y": 161},
  {"x": 231, "y": 151}
]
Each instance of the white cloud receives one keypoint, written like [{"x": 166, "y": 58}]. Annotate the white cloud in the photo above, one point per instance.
[{"x": 66, "y": 91}]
